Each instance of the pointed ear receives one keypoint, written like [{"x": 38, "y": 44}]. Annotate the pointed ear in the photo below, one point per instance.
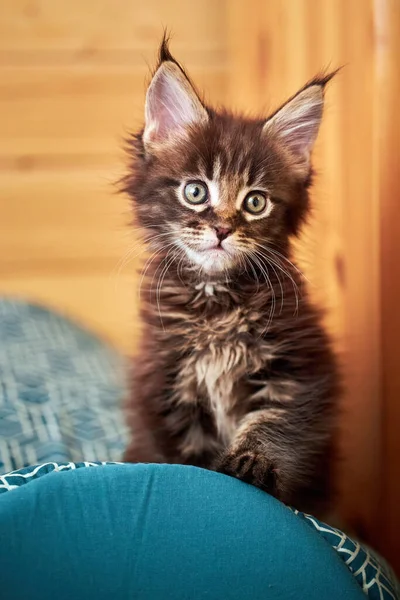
[
  {"x": 296, "y": 124},
  {"x": 172, "y": 104}
]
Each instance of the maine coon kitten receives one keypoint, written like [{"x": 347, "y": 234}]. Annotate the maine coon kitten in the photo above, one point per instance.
[{"x": 234, "y": 372}]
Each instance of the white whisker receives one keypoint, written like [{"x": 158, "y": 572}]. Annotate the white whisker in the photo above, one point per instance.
[
  {"x": 271, "y": 287},
  {"x": 160, "y": 282},
  {"x": 287, "y": 274}
]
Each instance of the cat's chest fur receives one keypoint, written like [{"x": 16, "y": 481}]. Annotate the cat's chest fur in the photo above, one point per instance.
[{"x": 221, "y": 352}]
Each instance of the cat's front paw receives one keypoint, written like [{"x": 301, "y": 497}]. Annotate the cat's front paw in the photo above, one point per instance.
[{"x": 250, "y": 466}]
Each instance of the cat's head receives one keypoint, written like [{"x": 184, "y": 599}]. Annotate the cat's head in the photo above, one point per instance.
[{"x": 216, "y": 190}]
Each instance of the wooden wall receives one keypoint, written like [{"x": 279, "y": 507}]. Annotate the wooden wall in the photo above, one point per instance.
[
  {"x": 351, "y": 250},
  {"x": 286, "y": 44},
  {"x": 72, "y": 84},
  {"x": 388, "y": 192}
]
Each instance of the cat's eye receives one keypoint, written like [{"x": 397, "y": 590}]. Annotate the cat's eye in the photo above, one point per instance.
[
  {"x": 196, "y": 192},
  {"x": 255, "y": 203}
]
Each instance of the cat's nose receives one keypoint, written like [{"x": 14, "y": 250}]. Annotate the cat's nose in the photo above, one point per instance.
[{"x": 222, "y": 232}]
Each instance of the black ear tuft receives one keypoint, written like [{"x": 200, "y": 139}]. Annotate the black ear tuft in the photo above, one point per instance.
[
  {"x": 164, "y": 54},
  {"x": 172, "y": 102},
  {"x": 321, "y": 79}
]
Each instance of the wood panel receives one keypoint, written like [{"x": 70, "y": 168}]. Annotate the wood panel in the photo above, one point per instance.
[
  {"x": 272, "y": 55},
  {"x": 72, "y": 84},
  {"x": 49, "y": 112},
  {"x": 76, "y": 218},
  {"x": 34, "y": 26},
  {"x": 103, "y": 300},
  {"x": 388, "y": 189}
]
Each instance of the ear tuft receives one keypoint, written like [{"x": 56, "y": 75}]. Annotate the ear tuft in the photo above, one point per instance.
[
  {"x": 322, "y": 79},
  {"x": 163, "y": 53},
  {"x": 296, "y": 123},
  {"x": 172, "y": 103}
]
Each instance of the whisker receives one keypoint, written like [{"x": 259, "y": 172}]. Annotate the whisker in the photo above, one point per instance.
[
  {"x": 285, "y": 258},
  {"x": 255, "y": 275},
  {"x": 131, "y": 253},
  {"x": 179, "y": 267},
  {"x": 296, "y": 290},
  {"x": 275, "y": 261},
  {"x": 159, "y": 285},
  {"x": 159, "y": 265},
  {"x": 273, "y": 298},
  {"x": 145, "y": 269},
  {"x": 278, "y": 278}
]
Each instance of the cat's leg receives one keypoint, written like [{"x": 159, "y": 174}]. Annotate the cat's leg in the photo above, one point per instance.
[
  {"x": 193, "y": 432},
  {"x": 283, "y": 458},
  {"x": 143, "y": 445},
  {"x": 250, "y": 457},
  {"x": 168, "y": 421},
  {"x": 144, "y": 406}
]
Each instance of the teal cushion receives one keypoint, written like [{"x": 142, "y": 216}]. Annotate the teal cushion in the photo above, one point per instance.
[{"x": 157, "y": 532}]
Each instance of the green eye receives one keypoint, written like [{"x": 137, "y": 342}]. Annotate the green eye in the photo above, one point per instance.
[
  {"x": 196, "y": 193},
  {"x": 255, "y": 203}
]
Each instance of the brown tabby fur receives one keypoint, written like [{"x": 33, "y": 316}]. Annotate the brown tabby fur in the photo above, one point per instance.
[{"x": 234, "y": 372}]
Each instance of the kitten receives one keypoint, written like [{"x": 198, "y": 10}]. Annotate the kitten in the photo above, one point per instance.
[{"x": 234, "y": 372}]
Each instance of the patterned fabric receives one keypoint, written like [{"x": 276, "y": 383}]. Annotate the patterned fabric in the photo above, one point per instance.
[
  {"x": 59, "y": 390},
  {"x": 60, "y": 401},
  {"x": 15, "y": 479},
  {"x": 374, "y": 575}
]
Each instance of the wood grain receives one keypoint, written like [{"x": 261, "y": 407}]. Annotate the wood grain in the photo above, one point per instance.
[
  {"x": 104, "y": 301},
  {"x": 53, "y": 25},
  {"x": 78, "y": 111},
  {"x": 388, "y": 190},
  {"x": 276, "y": 51},
  {"x": 72, "y": 83}
]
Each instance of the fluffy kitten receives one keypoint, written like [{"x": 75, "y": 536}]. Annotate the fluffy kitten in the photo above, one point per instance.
[{"x": 234, "y": 372}]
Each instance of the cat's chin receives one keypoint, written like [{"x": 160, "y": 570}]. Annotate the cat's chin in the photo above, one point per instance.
[{"x": 212, "y": 261}]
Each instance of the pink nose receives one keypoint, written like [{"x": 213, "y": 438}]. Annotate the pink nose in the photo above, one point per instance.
[{"x": 222, "y": 232}]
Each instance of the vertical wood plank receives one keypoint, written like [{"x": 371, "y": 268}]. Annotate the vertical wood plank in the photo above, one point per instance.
[
  {"x": 340, "y": 250},
  {"x": 64, "y": 58},
  {"x": 387, "y": 20},
  {"x": 72, "y": 83},
  {"x": 360, "y": 424}
]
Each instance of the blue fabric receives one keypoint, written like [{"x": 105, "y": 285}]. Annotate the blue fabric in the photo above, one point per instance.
[
  {"x": 153, "y": 531},
  {"x": 372, "y": 572},
  {"x": 159, "y": 532},
  {"x": 60, "y": 390}
]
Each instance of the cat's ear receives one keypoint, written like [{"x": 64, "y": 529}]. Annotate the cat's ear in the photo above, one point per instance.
[
  {"x": 297, "y": 122},
  {"x": 172, "y": 104}
]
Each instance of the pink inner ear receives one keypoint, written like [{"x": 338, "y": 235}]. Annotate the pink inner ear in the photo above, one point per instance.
[
  {"x": 297, "y": 123},
  {"x": 171, "y": 104},
  {"x": 169, "y": 107},
  {"x": 300, "y": 135}
]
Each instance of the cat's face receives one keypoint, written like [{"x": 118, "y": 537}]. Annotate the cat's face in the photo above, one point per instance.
[
  {"x": 221, "y": 195},
  {"x": 217, "y": 191}
]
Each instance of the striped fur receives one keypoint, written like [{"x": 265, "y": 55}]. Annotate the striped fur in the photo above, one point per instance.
[{"x": 235, "y": 372}]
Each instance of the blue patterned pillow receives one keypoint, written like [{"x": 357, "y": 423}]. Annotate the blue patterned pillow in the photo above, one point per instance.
[
  {"x": 142, "y": 494},
  {"x": 59, "y": 390},
  {"x": 60, "y": 401},
  {"x": 372, "y": 572}
]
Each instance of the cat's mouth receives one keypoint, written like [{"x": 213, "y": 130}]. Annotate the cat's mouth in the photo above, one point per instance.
[
  {"x": 217, "y": 245},
  {"x": 212, "y": 259},
  {"x": 217, "y": 248}
]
